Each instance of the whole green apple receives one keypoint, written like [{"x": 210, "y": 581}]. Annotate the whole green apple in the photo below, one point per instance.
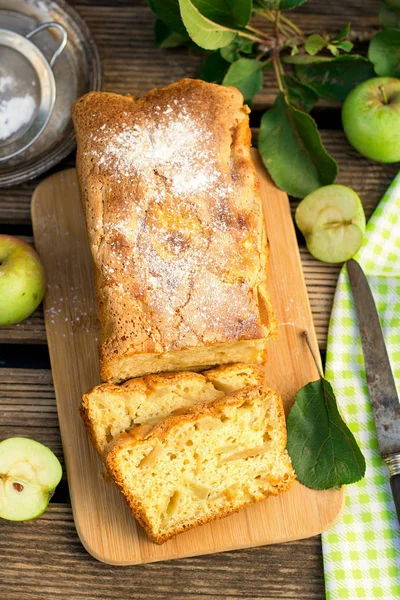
[
  {"x": 371, "y": 119},
  {"x": 22, "y": 280}
]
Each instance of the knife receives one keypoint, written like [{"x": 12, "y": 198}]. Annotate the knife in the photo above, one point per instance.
[{"x": 381, "y": 384}]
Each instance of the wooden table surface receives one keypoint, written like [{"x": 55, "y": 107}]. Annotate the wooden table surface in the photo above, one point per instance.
[{"x": 43, "y": 559}]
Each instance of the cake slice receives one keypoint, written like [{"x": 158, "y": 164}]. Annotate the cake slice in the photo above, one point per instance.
[
  {"x": 109, "y": 409},
  {"x": 203, "y": 463}
]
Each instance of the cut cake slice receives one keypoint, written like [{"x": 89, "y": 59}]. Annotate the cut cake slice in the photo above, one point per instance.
[
  {"x": 203, "y": 463},
  {"x": 109, "y": 409}
]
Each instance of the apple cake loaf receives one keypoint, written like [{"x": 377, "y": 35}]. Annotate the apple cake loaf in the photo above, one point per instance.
[
  {"x": 175, "y": 225},
  {"x": 109, "y": 409},
  {"x": 203, "y": 462}
]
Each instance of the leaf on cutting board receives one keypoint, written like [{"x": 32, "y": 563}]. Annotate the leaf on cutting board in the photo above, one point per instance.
[
  {"x": 212, "y": 68},
  {"x": 169, "y": 12},
  {"x": 384, "y": 53},
  {"x": 322, "y": 448},
  {"x": 246, "y": 75},
  {"x": 301, "y": 95},
  {"x": 335, "y": 78},
  {"x": 166, "y": 38},
  {"x": 204, "y": 32},
  {"x": 292, "y": 151}
]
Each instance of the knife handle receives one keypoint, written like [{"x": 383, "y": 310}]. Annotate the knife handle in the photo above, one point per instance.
[
  {"x": 393, "y": 462},
  {"x": 395, "y": 485}
]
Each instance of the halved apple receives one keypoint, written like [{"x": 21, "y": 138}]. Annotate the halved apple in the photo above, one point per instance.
[
  {"x": 332, "y": 221},
  {"x": 29, "y": 474}
]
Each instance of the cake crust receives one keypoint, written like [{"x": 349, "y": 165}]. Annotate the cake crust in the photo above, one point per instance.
[
  {"x": 174, "y": 218},
  {"x": 110, "y": 409}
]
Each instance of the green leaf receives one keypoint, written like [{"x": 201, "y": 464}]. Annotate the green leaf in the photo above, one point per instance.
[
  {"x": 343, "y": 33},
  {"x": 323, "y": 450},
  {"x": 289, "y": 4},
  {"x": 384, "y": 52},
  {"x": 204, "y": 33},
  {"x": 292, "y": 150},
  {"x": 277, "y": 4},
  {"x": 306, "y": 59},
  {"x": 213, "y": 68},
  {"x": 246, "y": 75},
  {"x": 315, "y": 43},
  {"x": 166, "y": 38},
  {"x": 231, "y": 13},
  {"x": 389, "y": 17},
  {"x": 301, "y": 96},
  {"x": 232, "y": 50},
  {"x": 334, "y": 79},
  {"x": 346, "y": 46},
  {"x": 265, "y": 4},
  {"x": 169, "y": 12},
  {"x": 333, "y": 49}
]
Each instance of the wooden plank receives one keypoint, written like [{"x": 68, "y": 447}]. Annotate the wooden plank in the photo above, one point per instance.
[
  {"x": 28, "y": 407},
  {"x": 44, "y": 560},
  {"x": 30, "y": 331},
  {"x": 72, "y": 342}
]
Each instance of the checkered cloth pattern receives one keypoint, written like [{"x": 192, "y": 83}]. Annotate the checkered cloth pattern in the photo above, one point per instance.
[{"x": 362, "y": 550}]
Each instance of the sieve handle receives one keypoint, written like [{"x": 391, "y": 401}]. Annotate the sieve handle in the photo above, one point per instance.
[{"x": 64, "y": 38}]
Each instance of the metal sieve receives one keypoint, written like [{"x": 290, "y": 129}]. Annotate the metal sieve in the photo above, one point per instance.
[{"x": 28, "y": 73}]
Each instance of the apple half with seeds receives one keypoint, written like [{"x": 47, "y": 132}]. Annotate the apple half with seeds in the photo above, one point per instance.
[
  {"x": 332, "y": 221},
  {"x": 29, "y": 474}
]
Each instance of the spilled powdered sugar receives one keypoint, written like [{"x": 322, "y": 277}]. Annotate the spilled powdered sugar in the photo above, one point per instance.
[{"x": 175, "y": 245}]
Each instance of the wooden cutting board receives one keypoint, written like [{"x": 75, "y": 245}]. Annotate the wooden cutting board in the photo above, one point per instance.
[{"x": 105, "y": 525}]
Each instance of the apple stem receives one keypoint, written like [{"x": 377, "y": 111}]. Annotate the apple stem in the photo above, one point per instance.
[{"x": 384, "y": 95}]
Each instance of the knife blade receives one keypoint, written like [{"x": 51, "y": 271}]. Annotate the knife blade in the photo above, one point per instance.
[{"x": 381, "y": 384}]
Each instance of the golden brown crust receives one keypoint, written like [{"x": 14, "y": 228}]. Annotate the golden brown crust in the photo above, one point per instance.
[
  {"x": 178, "y": 239},
  {"x": 160, "y": 431},
  {"x": 141, "y": 384},
  {"x": 161, "y": 428},
  {"x": 147, "y": 384}
]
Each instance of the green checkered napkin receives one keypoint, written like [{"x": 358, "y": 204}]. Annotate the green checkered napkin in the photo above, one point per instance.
[{"x": 362, "y": 550}]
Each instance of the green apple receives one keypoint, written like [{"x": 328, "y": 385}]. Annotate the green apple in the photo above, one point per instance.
[
  {"x": 371, "y": 119},
  {"x": 22, "y": 280},
  {"x": 29, "y": 474},
  {"x": 332, "y": 221}
]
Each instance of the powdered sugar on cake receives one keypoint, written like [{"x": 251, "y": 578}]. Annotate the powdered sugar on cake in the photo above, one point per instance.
[
  {"x": 177, "y": 147},
  {"x": 174, "y": 246}
]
